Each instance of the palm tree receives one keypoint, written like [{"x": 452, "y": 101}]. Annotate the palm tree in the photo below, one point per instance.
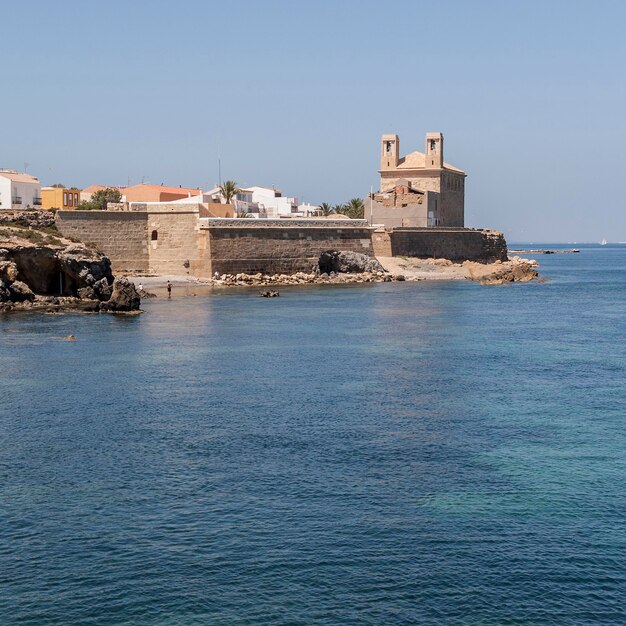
[
  {"x": 355, "y": 209},
  {"x": 243, "y": 212},
  {"x": 228, "y": 190},
  {"x": 338, "y": 208},
  {"x": 325, "y": 209}
]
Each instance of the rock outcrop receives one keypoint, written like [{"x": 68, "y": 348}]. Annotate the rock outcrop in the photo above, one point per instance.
[
  {"x": 515, "y": 269},
  {"x": 124, "y": 297},
  {"x": 300, "y": 278},
  {"x": 28, "y": 219},
  {"x": 41, "y": 270},
  {"x": 348, "y": 263}
]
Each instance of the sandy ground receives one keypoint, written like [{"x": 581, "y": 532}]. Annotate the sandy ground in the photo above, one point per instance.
[
  {"x": 181, "y": 285},
  {"x": 424, "y": 269},
  {"x": 412, "y": 269}
]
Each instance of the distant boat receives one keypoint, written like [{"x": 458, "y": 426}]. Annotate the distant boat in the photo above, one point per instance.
[{"x": 603, "y": 242}]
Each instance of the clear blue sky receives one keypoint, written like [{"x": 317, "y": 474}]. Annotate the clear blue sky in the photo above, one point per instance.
[{"x": 530, "y": 96}]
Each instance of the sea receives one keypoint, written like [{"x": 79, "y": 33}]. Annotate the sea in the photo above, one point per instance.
[{"x": 380, "y": 454}]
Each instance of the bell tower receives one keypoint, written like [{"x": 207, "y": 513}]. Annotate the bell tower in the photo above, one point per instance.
[
  {"x": 434, "y": 151},
  {"x": 389, "y": 152}
]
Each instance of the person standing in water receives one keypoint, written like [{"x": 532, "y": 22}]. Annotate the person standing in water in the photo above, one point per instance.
[{"x": 169, "y": 289}]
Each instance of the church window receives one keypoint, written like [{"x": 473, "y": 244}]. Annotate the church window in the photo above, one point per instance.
[
  {"x": 388, "y": 146},
  {"x": 433, "y": 145},
  {"x": 154, "y": 236}
]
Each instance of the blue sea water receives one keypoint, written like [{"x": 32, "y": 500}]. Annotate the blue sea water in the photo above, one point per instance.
[{"x": 406, "y": 453}]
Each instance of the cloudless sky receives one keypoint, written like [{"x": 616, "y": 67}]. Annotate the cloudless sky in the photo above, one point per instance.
[{"x": 530, "y": 96}]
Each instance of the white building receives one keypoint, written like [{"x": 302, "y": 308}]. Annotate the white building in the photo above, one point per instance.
[
  {"x": 308, "y": 210},
  {"x": 259, "y": 202},
  {"x": 272, "y": 202},
  {"x": 19, "y": 191}
]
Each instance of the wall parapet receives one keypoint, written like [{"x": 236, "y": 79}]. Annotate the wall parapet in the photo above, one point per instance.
[
  {"x": 454, "y": 243},
  {"x": 250, "y": 223}
]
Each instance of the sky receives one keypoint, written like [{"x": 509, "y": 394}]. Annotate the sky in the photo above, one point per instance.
[{"x": 530, "y": 97}]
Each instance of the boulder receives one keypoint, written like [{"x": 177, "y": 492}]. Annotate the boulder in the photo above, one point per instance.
[
  {"x": 5, "y": 294},
  {"x": 123, "y": 298},
  {"x": 348, "y": 262},
  {"x": 103, "y": 289},
  {"x": 84, "y": 266},
  {"x": 20, "y": 292},
  {"x": 8, "y": 271},
  {"x": 87, "y": 293}
]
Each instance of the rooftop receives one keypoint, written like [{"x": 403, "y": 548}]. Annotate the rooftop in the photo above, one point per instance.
[
  {"x": 417, "y": 160},
  {"x": 18, "y": 177},
  {"x": 165, "y": 188}
]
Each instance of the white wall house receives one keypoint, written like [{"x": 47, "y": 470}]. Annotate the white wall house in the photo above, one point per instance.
[
  {"x": 308, "y": 210},
  {"x": 262, "y": 202},
  {"x": 272, "y": 202},
  {"x": 19, "y": 191}
]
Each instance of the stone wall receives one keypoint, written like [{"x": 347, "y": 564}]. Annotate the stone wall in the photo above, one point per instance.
[
  {"x": 174, "y": 241},
  {"x": 281, "y": 246},
  {"x": 163, "y": 240},
  {"x": 456, "y": 244},
  {"x": 122, "y": 236}
]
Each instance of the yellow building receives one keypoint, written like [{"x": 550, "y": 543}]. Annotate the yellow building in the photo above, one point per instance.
[
  {"x": 59, "y": 198},
  {"x": 425, "y": 171}
]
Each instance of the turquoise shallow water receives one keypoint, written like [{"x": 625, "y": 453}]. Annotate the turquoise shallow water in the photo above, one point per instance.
[{"x": 383, "y": 454}]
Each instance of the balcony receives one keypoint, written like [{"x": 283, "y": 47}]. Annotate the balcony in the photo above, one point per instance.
[
  {"x": 37, "y": 201},
  {"x": 17, "y": 200}
]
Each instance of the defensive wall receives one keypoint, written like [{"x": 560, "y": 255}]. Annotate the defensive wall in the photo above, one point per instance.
[
  {"x": 122, "y": 236},
  {"x": 164, "y": 239},
  {"x": 167, "y": 239},
  {"x": 281, "y": 246},
  {"x": 456, "y": 244}
]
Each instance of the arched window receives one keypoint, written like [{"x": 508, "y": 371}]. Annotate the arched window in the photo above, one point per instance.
[{"x": 155, "y": 235}]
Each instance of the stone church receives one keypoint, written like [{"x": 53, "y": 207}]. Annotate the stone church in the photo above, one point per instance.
[{"x": 419, "y": 189}]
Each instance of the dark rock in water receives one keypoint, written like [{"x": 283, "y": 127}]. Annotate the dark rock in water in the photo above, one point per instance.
[
  {"x": 123, "y": 298},
  {"x": 400, "y": 277},
  {"x": 269, "y": 294},
  {"x": 146, "y": 294},
  {"x": 348, "y": 262}
]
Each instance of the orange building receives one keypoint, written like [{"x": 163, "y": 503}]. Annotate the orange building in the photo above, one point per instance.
[
  {"x": 157, "y": 193},
  {"x": 59, "y": 198},
  {"x": 87, "y": 192}
]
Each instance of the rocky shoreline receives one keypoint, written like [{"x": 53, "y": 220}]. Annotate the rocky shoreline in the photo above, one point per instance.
[
  {"x": 354, "y": 268},
  {"x": 42, "y": 271},
  {"x": 498, "y": 273}
]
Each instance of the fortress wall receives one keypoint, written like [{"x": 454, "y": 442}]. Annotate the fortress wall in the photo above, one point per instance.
[
  {"x": 186, "y": 244},
  {"x": 177, "y": 243},
  {"x": 122, "y": 236},
  {"x": 285, "y": 247},
  {"x": 456, "y": 244}
]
